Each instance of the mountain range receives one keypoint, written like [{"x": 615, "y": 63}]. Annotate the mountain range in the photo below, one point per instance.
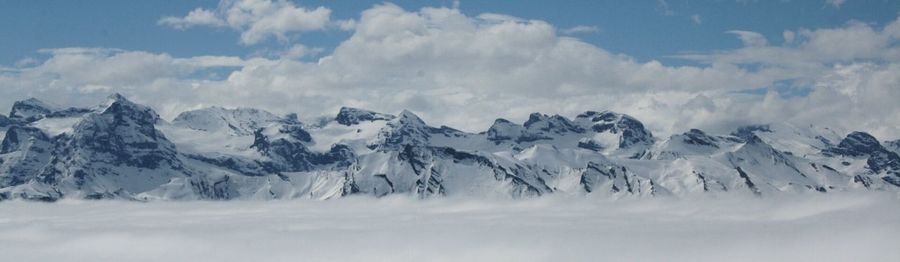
[{"x": 123, "y": 150}]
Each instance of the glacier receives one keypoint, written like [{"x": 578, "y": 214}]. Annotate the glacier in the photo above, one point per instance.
[{"x": 119, "y": 149}]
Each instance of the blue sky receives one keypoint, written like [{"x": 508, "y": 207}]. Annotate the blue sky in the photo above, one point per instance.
[
  {"x": 674, "y": 64},
  {"x": 642, "y": 29}
]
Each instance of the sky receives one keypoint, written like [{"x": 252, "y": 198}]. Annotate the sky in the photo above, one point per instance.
[{"x": 675, "y": 65}]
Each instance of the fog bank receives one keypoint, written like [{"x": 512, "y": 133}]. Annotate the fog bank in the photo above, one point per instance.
[{"x": 834, "y": 227}]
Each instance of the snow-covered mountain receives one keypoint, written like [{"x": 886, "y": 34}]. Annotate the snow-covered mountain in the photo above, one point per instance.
[{"x": 123, "y": 150}]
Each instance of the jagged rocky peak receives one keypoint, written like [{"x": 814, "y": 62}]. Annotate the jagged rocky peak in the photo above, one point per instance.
[
  {"x": 115, "y": 151},
  {"x": 554, "y": 124},
  {"x": 858, "y": 144},
  {"x": 879, "y": 159},
  {"x": 118, "y": 105},
  {"x": 698, "y": 137},
  {"x": 631, "y": 131},
  {"x": 31, "y": 109},
  {"x": 692, "y": 142},
  {"x": 20, "y": 137},
  {"x": 406, "y": 129},
  {"x": 409, "y": 119},
  {"x": 747, "y": 132},
  {"x": 351, "y": 116},
  {"x": 238, "y": 121},
  {"x": 125, "y": 133},
  {"x": 503, "y": 129},
  {"x": 23, "y": 153}
]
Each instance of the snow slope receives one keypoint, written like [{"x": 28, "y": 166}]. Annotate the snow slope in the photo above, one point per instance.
[{"x": 123, "y": 150}]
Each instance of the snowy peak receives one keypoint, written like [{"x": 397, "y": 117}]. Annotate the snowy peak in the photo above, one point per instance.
[
  {"x": 351, "y": 116},
  {"x": 124, "y": 133},
  {"x": 31, "y": 109},
  {"x": 119, "y": 106},
  {"x": 23, "y": 153},
  {"x": 503, "y": 130},
  {"x": 239, "y": 122},
  {"x": 699, "y": 138},
  {"x": 631, "y": 132},
  {"x": 555, "y": 124},
  {"x": 747, "y": 132},
  {"x": 406, "y": 129},
  {"x": 879, "y": 159},
  {"x": 858, "y": 144},
  {"x": 18, "y": 138},
  {"x": 116, "y": 151},
  {"x": 693, "y": 142}
]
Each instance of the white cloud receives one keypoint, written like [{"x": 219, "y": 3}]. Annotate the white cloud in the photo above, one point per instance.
[
  {"x": 749, "y": 38},
  {"x": 696, "y": 19},
  {"x": 835, "y": 3},
  {"x": 581, "y": 29},
  {"x": 197, "y": 17},
  {"x": 830, "y": 227},
  {"x": 346, "y": 25},
  {"x": 465, "y": 71},
  {"x": 789, "y": 36},
  {"x": 663, "y": 7},
  {"x": 299, "y": 51},
  {"x": 257, "y": 19}
]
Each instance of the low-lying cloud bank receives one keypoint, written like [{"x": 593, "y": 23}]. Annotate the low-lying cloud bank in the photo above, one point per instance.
[{"x": 834, "y": 227}]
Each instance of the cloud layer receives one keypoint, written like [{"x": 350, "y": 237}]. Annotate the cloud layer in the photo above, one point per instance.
[
  {"x": 466, "y": 70},
  {"x": 832, "y": 227}
]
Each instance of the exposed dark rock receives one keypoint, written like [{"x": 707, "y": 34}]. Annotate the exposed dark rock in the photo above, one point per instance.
[{"x": 351, "y": 116}]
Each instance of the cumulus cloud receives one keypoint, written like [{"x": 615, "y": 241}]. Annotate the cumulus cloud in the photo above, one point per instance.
[
  {"x": 197, "y": 17},
  {"x": 835, "y": 3},
  {"x": 696, "y": 19},
  {"x": 581, "y": 29},
  {"x": 466, "y": 70},
  {"x": 663, "y": 7},
  {"x": 832, "y": 227},
  {"x": 256, "y": 19},
  {"x": 749, "y": 38}
]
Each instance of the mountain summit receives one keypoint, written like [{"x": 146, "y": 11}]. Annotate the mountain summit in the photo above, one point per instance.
[{"x": 123, "y": 150}]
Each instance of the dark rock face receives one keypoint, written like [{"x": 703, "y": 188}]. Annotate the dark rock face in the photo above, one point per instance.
[
  {"x": 697, "y": 137},
  {"x": 4, "y": 121},
  {"x": 26, "y": 149},
  {"x": 290, "y": 153},
  {"x": 406, "y": 129},
  {"x": 880, "y": 159},
  {"x": 632, "y": 132},
  {"x": 352, "y": 116},
  {"x": 618, "y": 177},
  {"x": 746, "y": 132},
  {"x": 858, "y": 144},
  {"x": 30, "y": 110},
  {"x": 504, "y": 130},
  {"x": 114, "y": 151},
  {"x": 19, "y": 138},
  {"x": 555, "y": 124},
  {"x": 295, "y": 130},
  {"x": 69, "y": 112},
  {"x": 124, "y": 134},
  {"x": 118, "y": 143}
]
